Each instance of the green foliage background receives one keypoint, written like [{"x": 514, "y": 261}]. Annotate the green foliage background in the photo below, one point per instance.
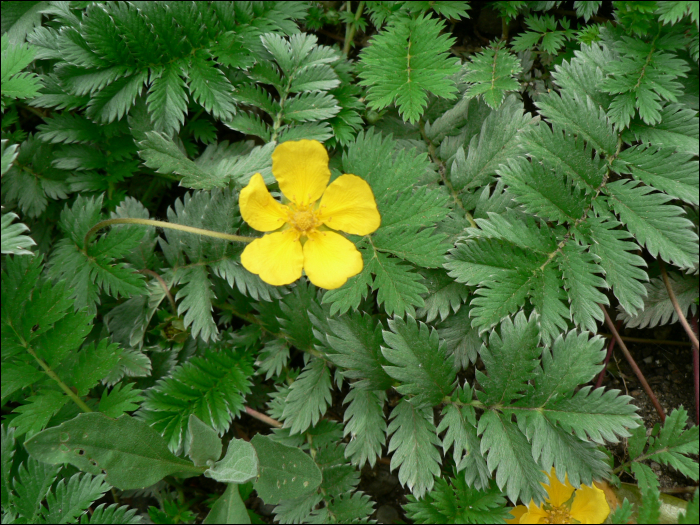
[{"x": 524, "y": 187}]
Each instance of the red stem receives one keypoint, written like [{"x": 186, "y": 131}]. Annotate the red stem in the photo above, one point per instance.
[{"x": 633, "y": 365}]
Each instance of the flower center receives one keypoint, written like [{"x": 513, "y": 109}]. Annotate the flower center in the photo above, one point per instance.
[
  {"x": 303, "y": 220},
  {"x": 558, "y": 515}
]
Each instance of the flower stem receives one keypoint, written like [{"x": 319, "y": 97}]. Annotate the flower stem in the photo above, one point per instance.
[
  {"x": 677, "y": 307},
  {"x": 633, "y": 365},
  {"x": 163, "y": 285},
  {"x": 163, "y": 224},
  {"x": 351, "y": 27}
]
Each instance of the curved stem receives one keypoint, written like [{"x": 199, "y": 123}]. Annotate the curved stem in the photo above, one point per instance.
[
  {"x": 163, "y": 224},
  {"x": 677, "y": 307},
  {"x": 633, "y": 365},
  {"x": 163, "y": 285}
]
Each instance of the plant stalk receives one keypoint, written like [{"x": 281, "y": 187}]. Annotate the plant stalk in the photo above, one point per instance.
[
  {"x": 677, "y": 307},
  {"x": 262, "y": 417},
  {"x": 163, "y": 224},
  {"x": 81, "y": 404},
  {"x": 633, "y": 365},
  {"x": 350, "y": 28}
]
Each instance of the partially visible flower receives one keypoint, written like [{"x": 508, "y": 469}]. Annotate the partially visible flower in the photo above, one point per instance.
[
  {"x": 302, "y": 238},
  {"x": 564, "y": 504}
]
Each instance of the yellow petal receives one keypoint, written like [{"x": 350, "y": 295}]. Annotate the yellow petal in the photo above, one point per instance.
[
  {"x": 277, "y": 258},
  {"x": 558, "y": 492},
  {"x": 517, "y": 513},
  {"x": 534, "y": 514},
  {"x": 258, "y": 208},
  {"x": 590, "y": 505},
  {"x": 301, "y": 168},
  {"x": 348, "y": 205},
  {"x": 330, "y": 259}
]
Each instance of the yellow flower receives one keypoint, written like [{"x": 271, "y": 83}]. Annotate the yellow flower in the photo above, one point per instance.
[
  {"x": 304, "y": 240},
  {"x": 564, "y": 505}
]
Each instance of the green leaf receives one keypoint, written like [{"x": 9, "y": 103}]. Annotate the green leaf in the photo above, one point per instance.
[
  {"x": 167, "y": 100},
  {"x": 13, "y": 242},
  {"x": 581, "y": 116},
  {"x": 212, "y": 387},
  {"x": 239, "y": 465},
  {"x": 420, "y": 363},
  {"x": 131, "y": 454},
  {"x": 675, "y": 444},
  {"x": 510, "y": 358},
  {"x": 195, "y": 298},
  {"x": 365, "y": 424},
  {"x": 508, "y": 451},
  {"x": 565, "y": 154},
  {"x": 210, "y": 87},
  {"x": 579, "y": 271},
  {"x": 310, "y": 106},
  {"x": 308, "y": 397},
  {"x": 491, "y": 74},
  {"x": 205, "y": 445},
  {"x": 396, "y": 76},
  {"x": 70, "y": 500},
  {"x": 543, "y": 191},
  {"x": 285, "y": 472},
  {"x": 355, "y": 340},
  {"x": 121, "y": 399},
  {"x": 398, "y": 288},
  {"x": 673, "y": 173},
  {"x": 497, "y": 142},
  {"x": 658, "y": 309},
  {"x": 413, "y": 429},
  {"x": 31, "y": 485},
  {"x": 115, "y": 100},
  {"x": 617, "y": 257},
  {"x": 452, "y": 500},
  {"x": 656, "y": 225},
  {"x": 163, "y": 155},
  {"x": 15, "y": 57},
  {"x": 678, "y": 130},
  {"x": 228, "y": 508},
  {"x": 445, "y": 296}
]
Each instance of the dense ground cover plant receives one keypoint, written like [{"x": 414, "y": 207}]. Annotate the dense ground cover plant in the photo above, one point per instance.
[{"x": 528, "y": 191}]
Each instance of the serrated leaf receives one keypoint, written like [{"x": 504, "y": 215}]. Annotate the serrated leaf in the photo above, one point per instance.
[
  {"x": 356, "y": 343},
  {"x": 405, "y": 78},
  {"x": 419, "y": 362},
  {"x": 655, "y": 224},
  {"x": 167, "y": 100},
  {"x": 366, "y": 426},
  {"x": 398, "y": 287},
  {"x": 413, "y": 430},
  {"x": 308, "y": 400},
  {"x": 13, "y": 242}
]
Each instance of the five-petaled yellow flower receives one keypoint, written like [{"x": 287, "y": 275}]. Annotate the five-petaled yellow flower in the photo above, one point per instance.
[
  {"x": 565, "y": 504},
  {"x": 302, "y": 237}
]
